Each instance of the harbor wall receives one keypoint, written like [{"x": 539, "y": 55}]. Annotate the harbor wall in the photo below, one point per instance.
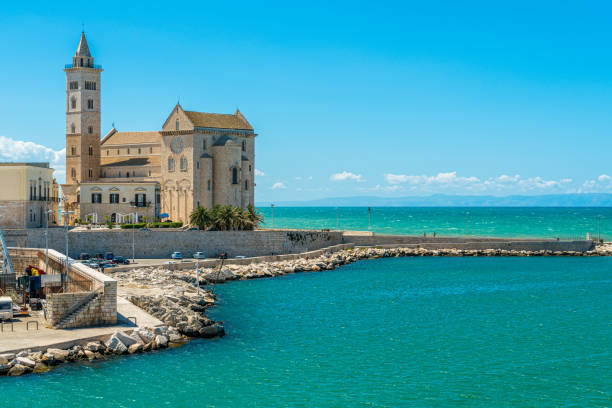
[{"x": 161, "y": 243}]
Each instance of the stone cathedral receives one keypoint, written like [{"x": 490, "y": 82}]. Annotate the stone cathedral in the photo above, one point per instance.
[{"x": 196, "y": 159}]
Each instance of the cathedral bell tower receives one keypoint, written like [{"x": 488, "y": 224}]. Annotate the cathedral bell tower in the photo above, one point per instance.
[{"x": 82, "y": 116}]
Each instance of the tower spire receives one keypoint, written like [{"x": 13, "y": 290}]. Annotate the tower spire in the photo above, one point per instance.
[{"x": 83, "y": 48}]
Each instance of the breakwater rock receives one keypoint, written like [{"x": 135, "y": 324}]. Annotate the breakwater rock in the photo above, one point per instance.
[
  {"x": 139, "y": 340},
  {"x": 183, "y": 312}
]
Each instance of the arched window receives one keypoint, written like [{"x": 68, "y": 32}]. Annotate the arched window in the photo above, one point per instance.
[
  {"x": 244, "y": 145},
  {"x": 73, "y": 172},
  {"x": 178, "y": 125},
  {"x": 73, "y": 103},
  {"x": 170, "y": 164},
  {"x": 234, "y": 175},
  {"x": 204, "y": 144},
  {"x": 72, "y": 128},
  {"x": 183, "y": 163},
  {"x": 73, "y": 150},
  {"x": 90, "y": 151},
  {"x": 90, "y": 104},
  {"x": 246, "y": 184}
]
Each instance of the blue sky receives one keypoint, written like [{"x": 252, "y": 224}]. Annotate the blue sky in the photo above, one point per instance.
[{"x": 348, "y": 98}]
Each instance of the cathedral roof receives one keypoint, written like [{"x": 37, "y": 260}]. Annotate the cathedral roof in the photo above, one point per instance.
[
  {"x": 219, "y": 120},
  {"x": 126, "y": 138},
  {"x": 83, "y": 48},
  {"x": 135, "y": 161}
]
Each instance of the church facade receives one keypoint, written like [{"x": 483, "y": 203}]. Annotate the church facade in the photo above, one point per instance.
[{"x": 195, "y": 159}]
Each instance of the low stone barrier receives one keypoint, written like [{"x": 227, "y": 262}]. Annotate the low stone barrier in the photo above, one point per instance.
[{"x": 90, "y": 298}]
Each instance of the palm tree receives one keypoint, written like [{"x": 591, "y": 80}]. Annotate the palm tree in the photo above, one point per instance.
[
  {"x": 226, "y": 217},
  {"x": 201, "y": 217},
  {"x": 255, "y": 216}
]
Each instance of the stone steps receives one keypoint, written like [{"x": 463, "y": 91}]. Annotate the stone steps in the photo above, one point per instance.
[{"x": 71, "y": 319}]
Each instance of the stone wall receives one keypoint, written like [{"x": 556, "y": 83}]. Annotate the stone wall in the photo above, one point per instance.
[
  {"x": 161, "y": 243},
  {"x": 101, "y": 309}
]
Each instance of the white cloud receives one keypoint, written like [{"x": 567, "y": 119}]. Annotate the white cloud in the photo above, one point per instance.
[
  {"x": 603, "y": 184},
  {"x": 278, "y": 185},
  {"x": 441, "y": 178},
  {"x": 259, "y": 173},
  {"x": 451, "y": 183},
  {"x": 346, "y": 175},
  {"x": 298, "y": 178},
  {"x": 20, "y": 151}
]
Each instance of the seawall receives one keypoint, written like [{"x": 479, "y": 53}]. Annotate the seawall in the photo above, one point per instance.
[{"x": 161, "y": 243}]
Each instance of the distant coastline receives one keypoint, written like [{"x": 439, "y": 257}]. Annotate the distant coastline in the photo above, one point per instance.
[{"x": 443, "y": 200}]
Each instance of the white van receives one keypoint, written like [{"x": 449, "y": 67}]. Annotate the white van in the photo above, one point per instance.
[{"x": 6, "y": 308}]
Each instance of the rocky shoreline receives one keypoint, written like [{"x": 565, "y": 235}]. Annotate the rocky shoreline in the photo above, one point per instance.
[
  {"x": 138, "y": 341},
  {"x": 173, "y": 297}
]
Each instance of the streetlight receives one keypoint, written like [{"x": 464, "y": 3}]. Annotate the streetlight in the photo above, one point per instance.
[
  {"x": 598, "y": 229},
  {"x": 133, "y": 215},
  {"x": 66, "y": 214},
  {"x": 47, "y": 242},
  {"x": 272, "y": 207},
  {"x": 198, "y": 274}
]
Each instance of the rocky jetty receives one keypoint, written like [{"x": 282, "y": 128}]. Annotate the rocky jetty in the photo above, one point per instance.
[
  {"x": 167, "y": 308},
  {"x": 138, "y": 340}
]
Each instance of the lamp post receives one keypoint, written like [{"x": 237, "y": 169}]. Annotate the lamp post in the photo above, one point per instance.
[
  {"x": 198, "y": 275},
  {"x": 272, "y": 207},
  {"x": 134, "y": 216},
  {"x": 598, "y": 228},
  {"x": 47, "y": 242},
  {"x": 66, "y": 214}
]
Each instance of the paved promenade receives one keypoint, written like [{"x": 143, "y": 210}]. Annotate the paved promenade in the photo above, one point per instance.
[{"x": 44, "y": 338}]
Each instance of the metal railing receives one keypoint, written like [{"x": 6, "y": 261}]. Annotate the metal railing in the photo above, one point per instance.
[
  {"x": 140, "y": 204},
  {"x": 70, "y": 66}
]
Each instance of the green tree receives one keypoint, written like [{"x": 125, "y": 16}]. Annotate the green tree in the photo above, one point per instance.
[
  {"x": 255, "y": 216},
  {"x": 201, "y": 217}
]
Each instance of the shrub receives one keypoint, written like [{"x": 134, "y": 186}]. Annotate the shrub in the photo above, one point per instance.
[{"x": 138, "y": 225}]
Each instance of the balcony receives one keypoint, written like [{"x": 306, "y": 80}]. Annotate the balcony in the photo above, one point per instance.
[
  {"x": 140, "y": 204},
  {"x": 70, "y": 66}
]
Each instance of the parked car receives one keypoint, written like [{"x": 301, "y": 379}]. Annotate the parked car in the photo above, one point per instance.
[
  {"x": 84, "y": 256},
  {"x": 170, "y": 263},
  {"x": 6, "y": 308},
  {"x": 121, "y": 260},
  {"x": 144, "y": 229},
  {"x": 109, "y": 256},
  {"x": 176, "y": 255},
  {"x": 192, "y": 229},
  {"x": 93, "y": 265},
  {"x": 199, "y": 255},
  {"x": 240, "y": 257}
]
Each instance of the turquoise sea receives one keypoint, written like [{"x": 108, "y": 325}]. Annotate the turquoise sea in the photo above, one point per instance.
[
  {"x": 540, "y": 222},
  {"x": 396, "y": 332}
]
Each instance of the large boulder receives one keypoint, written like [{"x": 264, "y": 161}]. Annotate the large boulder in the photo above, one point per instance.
[
  {"x": 6, "y": 357},
  {"x": 94, "y": 346},
  {"x": 114, "y": 345},
  {"x": 135, "y": 348},
  {"x": 4, "y": 368},
  {"x": 126, "y": 339},
  {"x": 26, "y": 362},
  {"x": 19, "y": 369},
  {"x": 58, "y": 355},
  {"x": 145, "y": 335},
  {"x": 220, "y": 276},
  {"x": 161, "y": 340}
]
